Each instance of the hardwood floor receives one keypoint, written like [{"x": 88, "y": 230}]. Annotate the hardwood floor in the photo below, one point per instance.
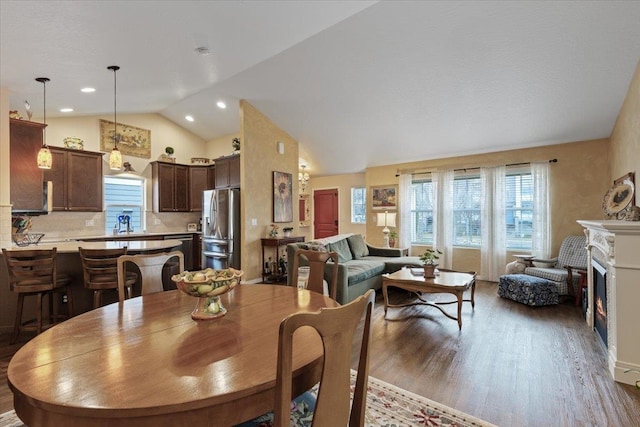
[{"x": 511, "y": 365}]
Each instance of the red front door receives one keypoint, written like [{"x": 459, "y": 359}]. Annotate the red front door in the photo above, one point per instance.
[{"x": 325, "y": 213}]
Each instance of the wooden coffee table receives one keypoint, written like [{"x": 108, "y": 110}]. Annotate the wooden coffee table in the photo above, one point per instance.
[{"x": 445, "y": 282}]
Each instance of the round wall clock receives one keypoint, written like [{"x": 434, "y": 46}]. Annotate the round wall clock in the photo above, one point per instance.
[{"x": 617, "y": 198}]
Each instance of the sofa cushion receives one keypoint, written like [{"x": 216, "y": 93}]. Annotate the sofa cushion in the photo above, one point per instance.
[
  {"x": 359, "y": 270},
  {"x": 341, "y": 247},
  {"x": 313, "y": 246},
  {"x": 391, "y": 265},
  {"x": 358, "y": 246}
]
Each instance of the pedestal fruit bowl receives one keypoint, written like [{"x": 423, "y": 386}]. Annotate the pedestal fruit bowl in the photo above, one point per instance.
[{"x": 207, "y": 285}]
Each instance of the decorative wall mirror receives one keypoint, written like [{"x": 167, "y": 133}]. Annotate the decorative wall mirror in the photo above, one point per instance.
[{"x": 304, "y": 210}]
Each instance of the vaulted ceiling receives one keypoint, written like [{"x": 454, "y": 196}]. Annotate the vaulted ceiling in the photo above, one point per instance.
[{"x": 357, "y": 83}]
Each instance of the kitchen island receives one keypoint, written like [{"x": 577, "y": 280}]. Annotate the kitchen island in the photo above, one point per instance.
[{"x": 68, "y": 262}]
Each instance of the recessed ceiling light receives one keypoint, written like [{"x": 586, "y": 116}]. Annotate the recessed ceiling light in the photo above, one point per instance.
[
  {"x": 87, "y": 90},
  {"x": 189, "y": 118},
  {"x": 221, "y": 104},
  {"x": 66, "y": 110}
]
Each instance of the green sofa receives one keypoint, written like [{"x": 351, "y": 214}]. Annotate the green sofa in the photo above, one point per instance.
[{"x": 361, "y": 265}]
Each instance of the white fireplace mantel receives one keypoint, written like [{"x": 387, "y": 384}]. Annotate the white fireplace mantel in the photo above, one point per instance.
[{"x": 618, "y": 242}]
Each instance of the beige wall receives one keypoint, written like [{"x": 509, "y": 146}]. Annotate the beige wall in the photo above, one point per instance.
[
  {"x": 578, "y": 182},
  {"x": 625, "y": 139},
  {"x": 259, "y": 158},
  {"x": 5, "y": 207},
  {"x": 220, "y": 147},
  {"x": 343, "y": 183}
]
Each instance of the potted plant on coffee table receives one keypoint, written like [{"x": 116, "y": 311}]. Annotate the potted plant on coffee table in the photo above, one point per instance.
[{"x": 430, "y": 261}]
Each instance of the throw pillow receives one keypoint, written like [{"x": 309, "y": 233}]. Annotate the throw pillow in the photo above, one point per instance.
[
  {"x": 358, "y": 246},
  {"x": 341, "y": 247}
]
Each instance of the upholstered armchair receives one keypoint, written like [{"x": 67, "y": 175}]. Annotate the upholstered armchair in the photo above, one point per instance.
[{"x": 572, "y": 256}]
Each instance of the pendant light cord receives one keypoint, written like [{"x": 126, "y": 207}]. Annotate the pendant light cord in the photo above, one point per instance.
[
  {"x": 44, "y": 81},
  {"x": 115, "y": 68}
]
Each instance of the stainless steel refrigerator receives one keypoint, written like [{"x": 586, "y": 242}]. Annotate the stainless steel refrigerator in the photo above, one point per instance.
[{"x": 221, "y": 228}]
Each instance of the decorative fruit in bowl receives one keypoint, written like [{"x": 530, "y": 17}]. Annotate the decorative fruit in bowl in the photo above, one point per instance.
[{"x": 207, "y": 285}]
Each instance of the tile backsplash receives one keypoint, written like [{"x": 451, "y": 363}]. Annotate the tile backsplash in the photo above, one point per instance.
[{"x": 71, "y": 225}]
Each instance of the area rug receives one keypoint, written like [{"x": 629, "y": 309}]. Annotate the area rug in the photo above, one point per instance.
[{"x": 387, "y": 406}]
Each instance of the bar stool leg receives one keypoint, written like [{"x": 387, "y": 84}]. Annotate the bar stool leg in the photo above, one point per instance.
[
  {"x": 39, "y": 313},
  {"x": 70, "y": 311},
  {"x": 18, "y": 322}
]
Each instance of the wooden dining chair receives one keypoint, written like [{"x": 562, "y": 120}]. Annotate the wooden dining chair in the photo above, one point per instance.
[
  {"x": 150, "y": 267},
  {"x": 100, "y": 271},
  {"x": 34, "y": 273},
  {"x": 337, "y": 328},
  {"x": 317, "y": 261},
  {"x": 472, "y": 300}
]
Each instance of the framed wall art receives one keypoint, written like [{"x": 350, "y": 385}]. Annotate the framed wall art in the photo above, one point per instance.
[
  {"x": 384, "y": 197},
  {"x": 132, "y": 140},
  {"x": 620, "y": 198},
  {"x": 282, "y": 197}
]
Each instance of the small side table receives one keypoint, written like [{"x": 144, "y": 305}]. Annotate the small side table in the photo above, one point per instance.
[
  {"x": 276, "y": 243},
  {"x": 518, "y": 266}
]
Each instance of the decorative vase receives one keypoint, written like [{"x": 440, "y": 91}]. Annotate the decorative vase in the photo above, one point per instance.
[
  {"x": 287, "y": 233},
  {"x": 429, "y": 270}
]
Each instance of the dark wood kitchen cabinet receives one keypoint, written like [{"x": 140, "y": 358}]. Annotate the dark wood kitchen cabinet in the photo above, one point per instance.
[
  {"x": 170, "y": 187},
  {"x": 228, "y": 171},
  {"x": 77, "y": 180},
  {"x": 198, "y": 182},
  {"x": 26, "y": 178}
]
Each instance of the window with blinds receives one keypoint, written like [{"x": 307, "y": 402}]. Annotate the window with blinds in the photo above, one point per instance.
[
  {"x": 358, "y": 205},
  {"x": 467, "y": 217},
  {"x": 422, "y": 203},
  {"x": 124, "y": 196},
  {"x": 467, "y": 221},
  {"x": 519, "y": 209}
]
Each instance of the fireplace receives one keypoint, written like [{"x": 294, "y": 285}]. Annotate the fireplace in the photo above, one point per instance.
[
  {"x": 600, "y": 300},
  {"x": 614, "y": 292}
]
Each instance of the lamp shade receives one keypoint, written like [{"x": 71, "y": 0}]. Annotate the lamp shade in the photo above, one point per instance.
[
  {"x": 387, "y": 219},
  {"x": 44, "y": 158}
]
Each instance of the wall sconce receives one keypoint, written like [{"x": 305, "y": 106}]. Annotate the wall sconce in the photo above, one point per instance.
[
  {"x": 303, "y": 177},
  {"x": 115, "y": 158},
  {"x": 44, "y": 155},
  {"x": 386, "y": 220}
]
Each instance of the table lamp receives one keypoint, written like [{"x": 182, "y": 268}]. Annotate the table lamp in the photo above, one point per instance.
[{"x": 386, "y": 220}]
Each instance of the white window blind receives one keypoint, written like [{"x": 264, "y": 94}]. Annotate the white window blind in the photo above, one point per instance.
[{"x": 124, "y": 196}]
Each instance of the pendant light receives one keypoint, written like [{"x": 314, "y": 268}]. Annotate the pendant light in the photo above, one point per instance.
[
  {"x": 115, "y": 158},
  {"x": 44, "y": 155}
]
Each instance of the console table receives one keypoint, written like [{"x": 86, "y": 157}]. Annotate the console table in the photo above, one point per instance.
[{"x": 272, "y": 275}]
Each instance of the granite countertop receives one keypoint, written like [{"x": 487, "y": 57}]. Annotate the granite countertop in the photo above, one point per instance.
[
  {"x": 114, "y": 236},
  {"x": 131, "y": 245}
]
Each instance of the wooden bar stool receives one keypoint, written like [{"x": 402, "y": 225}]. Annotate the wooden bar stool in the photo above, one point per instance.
[
  {"x": 151, "y": 267},
  {"x": 100, "y": 268},
  {"x": 34, "y": 273}
]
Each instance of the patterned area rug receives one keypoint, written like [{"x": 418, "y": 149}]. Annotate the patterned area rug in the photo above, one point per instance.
[{"x": 387, "y": 406}]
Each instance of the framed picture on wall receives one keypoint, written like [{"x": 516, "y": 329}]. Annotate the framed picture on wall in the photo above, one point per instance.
[
  {"x": 282, "y": 197},
  {"x": 385, "y": 197},
  {"x": 133, "y": 141}
]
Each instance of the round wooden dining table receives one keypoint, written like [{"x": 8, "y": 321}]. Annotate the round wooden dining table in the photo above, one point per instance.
[{"x": 145, "y": 362}]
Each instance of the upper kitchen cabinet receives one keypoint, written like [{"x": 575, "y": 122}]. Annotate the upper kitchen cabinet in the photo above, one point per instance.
[
  {"x": 228, "y": 172},
  {"x": 26, "y": 177},
  {"x": 77, "y": 180},
  {"x": 170, "y": 187},
  {"x": 199, "y": 180}
]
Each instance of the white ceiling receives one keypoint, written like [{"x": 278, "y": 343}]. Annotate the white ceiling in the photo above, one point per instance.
[{"x": 357, "y": 83}]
